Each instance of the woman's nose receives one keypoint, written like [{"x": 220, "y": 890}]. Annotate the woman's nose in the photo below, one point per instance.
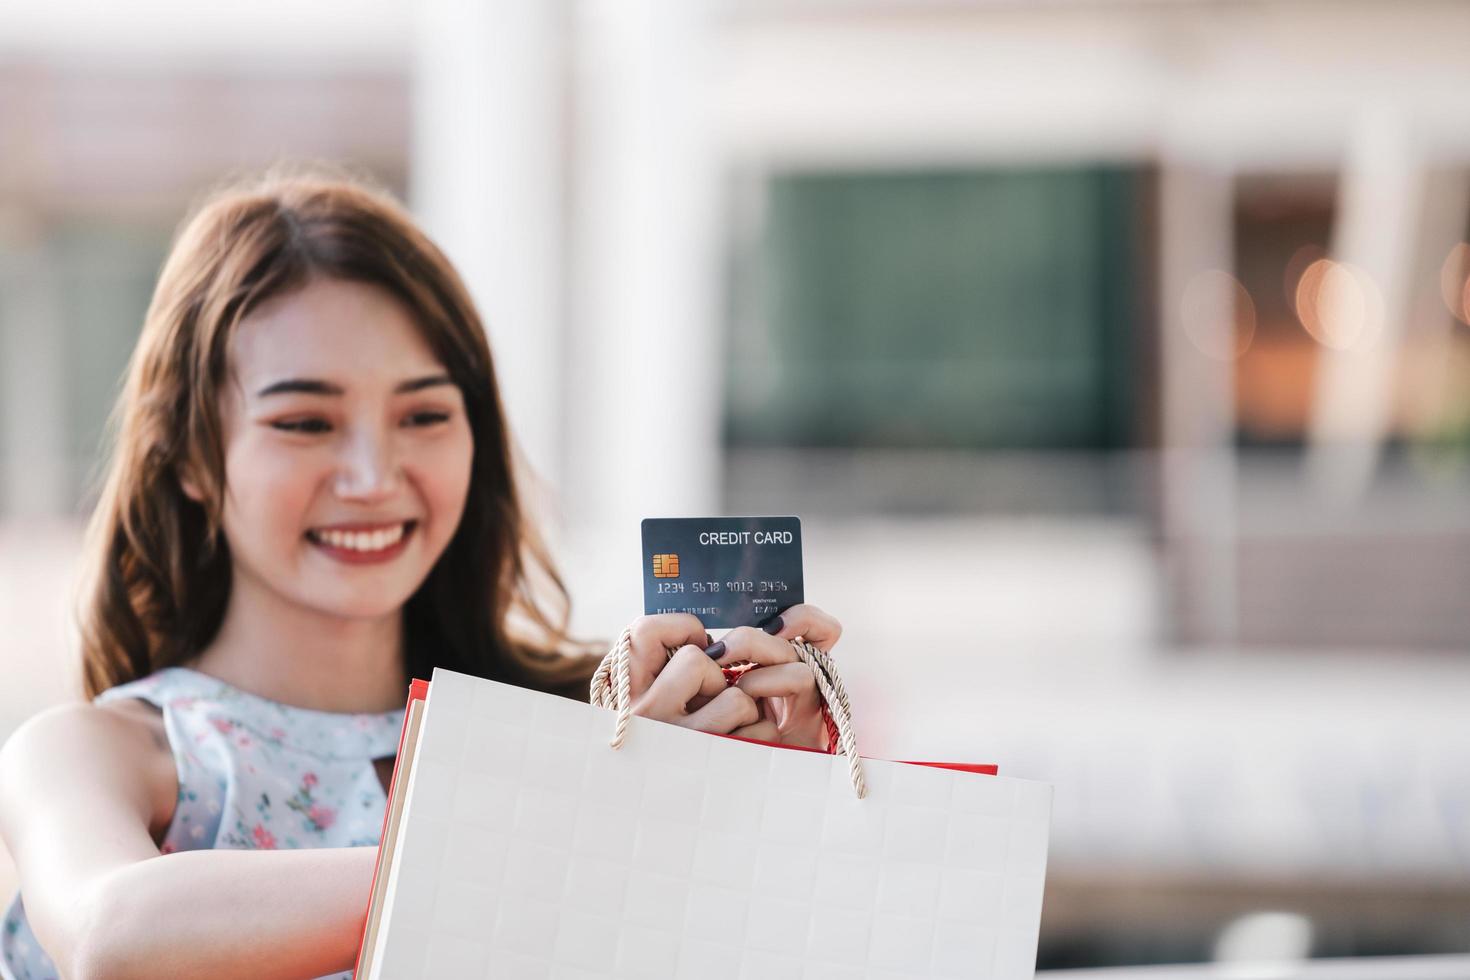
[{"x": 368, "y": 470}]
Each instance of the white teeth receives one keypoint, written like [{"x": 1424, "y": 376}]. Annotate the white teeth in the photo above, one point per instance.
[{"x": 366, "y": 541}]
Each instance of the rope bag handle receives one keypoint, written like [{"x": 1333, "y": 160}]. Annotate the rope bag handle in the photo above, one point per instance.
[{"x": 612, "y": 682}]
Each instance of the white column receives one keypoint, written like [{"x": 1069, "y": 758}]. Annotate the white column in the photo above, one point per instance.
[
  {"x": 646, "y": 399},
  {"x": 1375, "y": 232},
  {"x": 487, "y": 181},
  {"x": 1196, "y": 235}
]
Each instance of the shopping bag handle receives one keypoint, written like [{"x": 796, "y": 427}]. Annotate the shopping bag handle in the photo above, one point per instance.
[{"x": 612, "y": 683}]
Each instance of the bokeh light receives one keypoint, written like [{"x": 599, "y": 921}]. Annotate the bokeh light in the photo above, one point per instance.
[
  {"x": 1298, "y": 264},
  {"x": 1454, "y": 282},
  {"x": 1339, "y": 305}
]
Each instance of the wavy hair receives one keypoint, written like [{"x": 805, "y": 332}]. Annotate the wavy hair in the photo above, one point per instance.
[{"x": 493, "y": 605}]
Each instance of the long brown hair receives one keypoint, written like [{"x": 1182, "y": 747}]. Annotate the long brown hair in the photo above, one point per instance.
[{"x": 493, "y": 605}]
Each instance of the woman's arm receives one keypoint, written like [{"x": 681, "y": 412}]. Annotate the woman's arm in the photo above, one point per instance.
[
  {"x": 76, "y": 803},
  {"x": 288, "y": 914}
]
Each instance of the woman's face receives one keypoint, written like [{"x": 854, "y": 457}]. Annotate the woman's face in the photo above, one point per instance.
[{"x": 347, "y": 451}]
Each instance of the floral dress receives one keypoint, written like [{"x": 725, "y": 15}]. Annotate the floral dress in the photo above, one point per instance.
[{"x": 253, "y": 774}]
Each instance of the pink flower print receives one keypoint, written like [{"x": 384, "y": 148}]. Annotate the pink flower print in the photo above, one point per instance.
[
  {"x": 222, "y": 724},
  {"x": 308, "y": 779},
  {"x": 243, "y": 741},
  {"x": 322, "y": 816},
  {"x": 278, "y": 733},
  {"x": 264, "y": 838}
]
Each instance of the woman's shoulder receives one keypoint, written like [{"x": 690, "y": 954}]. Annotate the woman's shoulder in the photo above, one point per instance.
[
  {"x": 121, "y": 738},
  {"x": 81, "y": 724},
  {"x": 143, "y": 721}
]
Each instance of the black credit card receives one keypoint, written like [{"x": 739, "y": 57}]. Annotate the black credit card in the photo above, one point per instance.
[{"x": 728, "y": 571}]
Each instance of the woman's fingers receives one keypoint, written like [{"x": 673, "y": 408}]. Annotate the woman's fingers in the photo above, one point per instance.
[
  {"x": 688, "y": 674},
  {"x": 764, "y": 731},
  {"x": 772, "y": 645},
  {"x": 689, "y": 688},
  {"x": 652, "y": 639},
  {"x": 808, "y": 622},
  {"x": 729, "y": 710},
  {"x": 778, "y": 681},
  {"x": 746, "y": 643},
  {"x": 789, "y": 691}
]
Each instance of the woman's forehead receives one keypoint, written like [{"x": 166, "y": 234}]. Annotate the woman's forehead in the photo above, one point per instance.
[{"x": 330, "y": 328}]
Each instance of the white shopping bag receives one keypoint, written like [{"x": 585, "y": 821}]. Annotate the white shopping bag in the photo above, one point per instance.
[{"x": 519, "y": 844}]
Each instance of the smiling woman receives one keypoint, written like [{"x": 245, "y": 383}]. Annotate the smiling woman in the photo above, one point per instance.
[{"x": 311, "y": 500}]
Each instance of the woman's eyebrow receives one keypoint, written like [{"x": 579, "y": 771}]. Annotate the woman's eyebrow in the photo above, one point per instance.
[
  {"x": 305, "y": 386},
  {"x": 315, "y": 386},
  {"x": 419, "y": 384}
]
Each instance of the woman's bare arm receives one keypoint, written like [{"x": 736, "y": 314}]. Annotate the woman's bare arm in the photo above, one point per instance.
[
  {"x": 76, "y": 803},
  {"x": 288, "y": 914}
]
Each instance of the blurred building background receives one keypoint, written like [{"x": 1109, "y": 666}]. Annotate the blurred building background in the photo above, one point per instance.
[{"x": 1115, "y": 355}]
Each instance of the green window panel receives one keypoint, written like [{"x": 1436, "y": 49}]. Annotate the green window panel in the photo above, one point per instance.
[{"x": 950, "y": 309}]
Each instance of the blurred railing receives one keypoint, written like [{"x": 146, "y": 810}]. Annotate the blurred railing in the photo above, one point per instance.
[{"x": 1364, "y": 968}]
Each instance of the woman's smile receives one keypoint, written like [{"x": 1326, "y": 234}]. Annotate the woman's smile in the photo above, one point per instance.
[{"x": 363, "y": 543}]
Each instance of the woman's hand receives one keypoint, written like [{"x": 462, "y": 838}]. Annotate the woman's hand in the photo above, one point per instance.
[
  {"x": 776, "y": 701},
  {"x": 686, "y": 687},
  {"x": 782, "y": 684}
]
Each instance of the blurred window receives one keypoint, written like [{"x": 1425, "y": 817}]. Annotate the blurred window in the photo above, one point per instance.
[
  {"x": 953, "y": 311},
  {"x": 1282, "y": 225},
  {"x": 105, "y": 274}
]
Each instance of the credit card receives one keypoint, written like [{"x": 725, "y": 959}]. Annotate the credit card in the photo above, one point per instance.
[{"x": 728, "y": 571}]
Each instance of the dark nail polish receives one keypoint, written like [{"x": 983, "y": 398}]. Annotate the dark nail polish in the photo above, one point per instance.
[
  {"x": 715, "y": 650},
  {"x": 708, "y": 640},
  {"x": 774, "y": 626}
]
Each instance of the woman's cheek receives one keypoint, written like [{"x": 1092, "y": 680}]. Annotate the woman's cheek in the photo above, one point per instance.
[
  {"x": 445, "y": 474},
  {"x": 281, "y": 490},
  {"x": 287, "y": 486}
]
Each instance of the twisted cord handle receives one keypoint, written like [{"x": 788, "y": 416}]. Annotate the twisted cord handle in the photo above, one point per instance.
[{"x": 612, "y": 681}]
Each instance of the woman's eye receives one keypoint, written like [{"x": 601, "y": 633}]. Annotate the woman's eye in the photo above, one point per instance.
[
  {"x": 423, "y": 419},
  {"x": 308, "y": 426}
]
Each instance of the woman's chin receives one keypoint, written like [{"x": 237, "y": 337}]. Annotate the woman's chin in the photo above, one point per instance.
[{"x": 360, "y": 607}]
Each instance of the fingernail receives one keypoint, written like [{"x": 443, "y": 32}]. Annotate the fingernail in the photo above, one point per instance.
[
  {"x": 715, "y": 650},
  {"x": 708, "y": 640},
  {"x": 774, "y": 626}
]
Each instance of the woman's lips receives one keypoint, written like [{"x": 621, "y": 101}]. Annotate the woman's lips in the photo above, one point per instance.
[{"x": 363, "y": 544}]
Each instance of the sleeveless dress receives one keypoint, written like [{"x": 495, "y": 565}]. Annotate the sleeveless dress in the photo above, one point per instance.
[{"x": 253, "y": 774}]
